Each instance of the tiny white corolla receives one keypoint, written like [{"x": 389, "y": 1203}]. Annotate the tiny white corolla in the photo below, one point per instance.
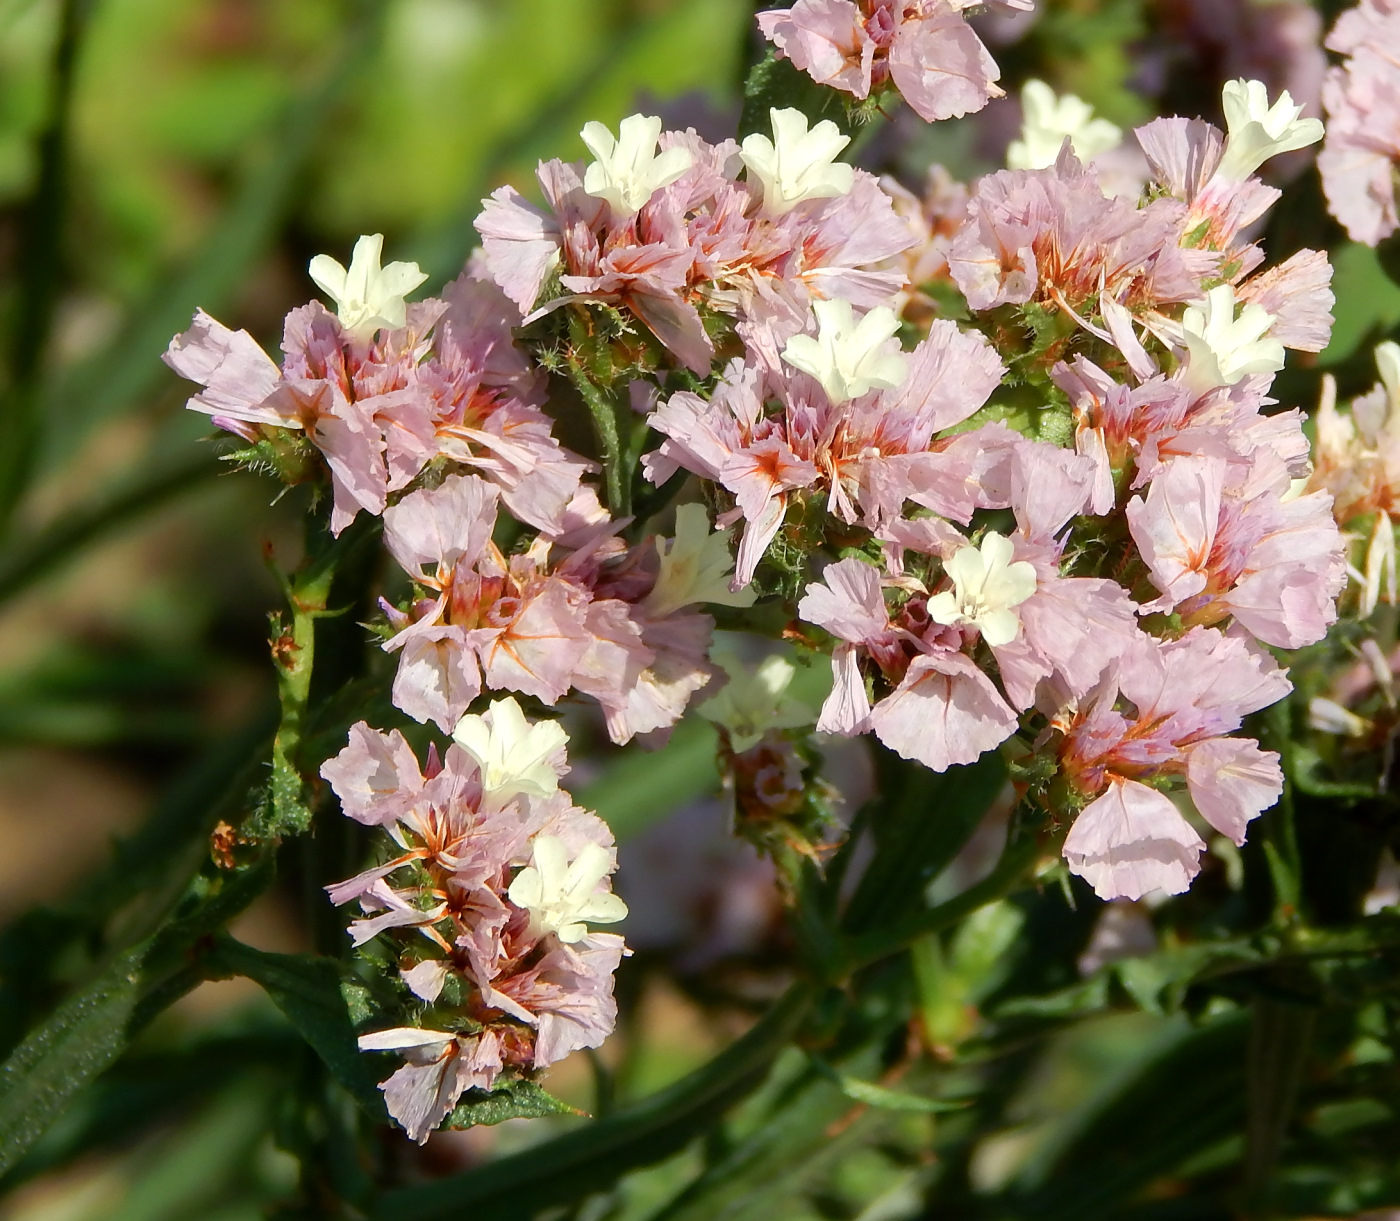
[
  {"x": 562, "y": 896},
  {"x": 1046, "y": 119},
  {"x": 629, "y": 170},
  {"x": 1258, "y": 131},
  {"x": 695, "y": 567},
  {"x": 514, "y": 755},
  {"x": 987, "y": 584},
  {"x": 367, "y": 296},
  {"x": 797, "y": 164},
  {"x": 755, "y": 699},
  {"x": 849, "y": 355},
  {"x": 1220, "y": 348}
]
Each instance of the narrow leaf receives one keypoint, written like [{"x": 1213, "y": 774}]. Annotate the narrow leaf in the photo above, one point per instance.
[
  {"x": 308, "y": 991},
  {"x": 519, "y": 1100}
]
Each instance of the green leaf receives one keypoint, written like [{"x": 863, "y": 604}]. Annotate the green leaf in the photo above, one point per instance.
[
  {"x": 775, "y": 84},
  {"x": 129, "y": 367},
  {"x": 314, "y": 995},
  {"x": 83, "y": 1037},
  {"x": 920, "y": 823},
  {"x": 878, "y": 1096},
  {"x": 1183, "y": 1099},
  {"x": 518, "y": 1100}
]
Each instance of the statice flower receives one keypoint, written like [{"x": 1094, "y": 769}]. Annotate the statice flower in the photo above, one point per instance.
[
  {"x": 1257, "y": 130},
  {"x": 765, "y": 436},
  {"x": 1161, "y": 717},
  {"x": 1358, "y": 463},
  {"x": 797, "y": 164},
  {"x": 756, "y": 250},
  {"x": 848, "y": 356},
  {"x": 446, "y": 385},
  {"x": 1362, "y": 98},
  {"x": 488, "y": 895},
  {"x": 367, "y": 296},
  {"x": 613, "y": 622},
  {"x": 923, "y": 48},
  {"x": 629, "y": 171}
]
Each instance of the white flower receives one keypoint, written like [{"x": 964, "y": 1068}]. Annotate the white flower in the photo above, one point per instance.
[
  {"x": 986, "y": 585},
  {"x": 849, "y": 356},
  {"x": 1330, "y": 717},
  {"x": 1221, "y": 349},
  {"x": 1388, "y": 365},
  {"x": 695, "y": 567},
  {"x": 560, "y": 896},
  {"x": 629, "y": 171},
  {"x": 797, "y": 164},
  {"x": 1258, "y": 131},
  {"x": 367, "y": 296},
  {"x": 755, "y": 699},
  {"x": 514, "y": 756},
  {"x": 1045, "y": 122}
]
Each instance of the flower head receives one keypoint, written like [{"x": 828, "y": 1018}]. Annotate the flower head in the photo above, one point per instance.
[
  {"x": 367, "y": 296},
  {"x": 1222, "y": 349},
  {"x": 629, "y": 170},
  {"x": 797, "y": 164},
  {"x": 514, "y": 756},
  {"x": 849, "y": 356},
  {"x": 1046, "y": 121},
  {"x": 986, "y": 585},
  {"x": 561, "y": 895},
  {"x": 1258, "y": 131},
  {"x": 695, "y": 567}
]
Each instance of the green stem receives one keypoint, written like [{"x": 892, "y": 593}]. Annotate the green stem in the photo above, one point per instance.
[
  {"x": 1016, "y": 861},
  {"x": 603, "y": 411},
  {"x": 294, "y": 655}
]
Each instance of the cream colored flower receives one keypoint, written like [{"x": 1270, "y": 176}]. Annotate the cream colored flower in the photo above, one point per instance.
[
  {"x": 1045, "y": 122},
  {"x": 695, "y": 567},
  {"x": 797, "y": 164},
  {"x": 1221, "y": 348},
  {"x": 1258, "y": 131},
  {"x": 514, "y": 755},
  {"x": 563, "y": 896},
  {"x": 367, "y": 296},
  {"x": 849, "y": 355},
  {"x": 628, "y": 170},
  {"x": 987, "y": 584}
]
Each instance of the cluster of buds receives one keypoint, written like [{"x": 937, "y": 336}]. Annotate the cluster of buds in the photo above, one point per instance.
[{"x": 1065, "y": 528}]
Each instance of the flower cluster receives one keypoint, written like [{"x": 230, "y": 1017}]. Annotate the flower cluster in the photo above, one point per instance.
[
  {"x": 925, "y": 49},
  {"x": 496, "y": 877},
  {"x": 1361, "y": 157},
  {"x": 1064, "y": 525},
  {"x": 1358, "y": 462},
  {"x": 747, "y": 235}
]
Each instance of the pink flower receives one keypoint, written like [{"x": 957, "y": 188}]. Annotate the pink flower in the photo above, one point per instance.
[
  {"x": 1051, "y": 236},
  {"x": 925, "y": 47},
  {"x": 1131, "y": 841},
  {"x": 1180, "y": 698},
  {"x": 1216, "y": 550},
  {"x": 492, "y": 888},
  {"x": 944, "y": 712},
  {"x": 1362, "y": 100}
]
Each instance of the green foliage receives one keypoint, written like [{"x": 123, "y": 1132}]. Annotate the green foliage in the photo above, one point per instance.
[{"x": 518, "y": 1100}]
